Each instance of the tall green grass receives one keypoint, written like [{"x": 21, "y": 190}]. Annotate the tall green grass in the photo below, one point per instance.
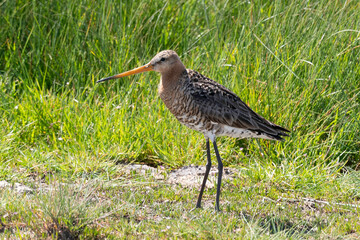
[{"x": 296, "y": 63}]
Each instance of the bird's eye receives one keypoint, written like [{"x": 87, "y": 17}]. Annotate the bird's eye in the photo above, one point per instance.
[{"x": 162, "y": 59}]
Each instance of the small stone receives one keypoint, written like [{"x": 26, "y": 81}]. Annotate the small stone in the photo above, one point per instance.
[
  {"x": 19, "y": 188},
  {"x": 4, "y": 184}
]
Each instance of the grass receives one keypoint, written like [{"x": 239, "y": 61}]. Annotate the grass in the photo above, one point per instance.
[{"x": 296, "y": 63}]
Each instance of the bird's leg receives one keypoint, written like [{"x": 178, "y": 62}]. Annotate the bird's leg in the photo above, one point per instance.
[
  {"x": 220, "y": 168},
  {"x": 208, "y": 166}
]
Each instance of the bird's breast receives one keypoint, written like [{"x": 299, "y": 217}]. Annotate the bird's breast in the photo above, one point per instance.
[{"x": 181, "y": 105}]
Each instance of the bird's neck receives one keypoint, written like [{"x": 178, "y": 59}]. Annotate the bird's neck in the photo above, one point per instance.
[{"x": 170, "y": 79}]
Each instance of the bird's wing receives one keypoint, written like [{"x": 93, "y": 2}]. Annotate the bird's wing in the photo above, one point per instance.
[{"x": 220, "y": 105}]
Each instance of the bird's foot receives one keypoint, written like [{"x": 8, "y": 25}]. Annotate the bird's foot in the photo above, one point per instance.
[
  {"x": 197, "y": 207},
  {"x": 217, "y": 209}
]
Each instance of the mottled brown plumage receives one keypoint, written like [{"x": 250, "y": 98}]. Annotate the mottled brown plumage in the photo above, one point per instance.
[{"x": 206, "y": 106}]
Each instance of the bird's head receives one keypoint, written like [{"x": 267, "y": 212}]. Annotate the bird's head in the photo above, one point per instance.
[{"x": 164, "y": 62}]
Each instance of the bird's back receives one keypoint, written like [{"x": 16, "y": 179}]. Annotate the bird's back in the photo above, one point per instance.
[{"x": 206, "y": 106}]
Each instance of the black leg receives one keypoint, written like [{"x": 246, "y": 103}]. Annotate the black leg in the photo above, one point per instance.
[
  {"x": 220, "y": 168},
  {"x": 208, "y": 166}
]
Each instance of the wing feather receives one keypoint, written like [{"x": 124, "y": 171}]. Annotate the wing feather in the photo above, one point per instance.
[{"x": 220, "y": 105}]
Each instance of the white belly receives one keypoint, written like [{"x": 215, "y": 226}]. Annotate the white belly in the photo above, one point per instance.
[
  {"x": 215, "y": 129},
  {"x": 225, "y": 130}
]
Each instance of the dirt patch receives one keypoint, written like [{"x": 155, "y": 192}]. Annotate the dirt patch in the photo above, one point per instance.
[
  {"x": 192, "y": 176},
  {"x": 189, "y": 176}
]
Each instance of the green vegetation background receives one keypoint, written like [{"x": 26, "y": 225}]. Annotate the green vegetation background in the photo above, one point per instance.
[{"x": 294, "y": 62}]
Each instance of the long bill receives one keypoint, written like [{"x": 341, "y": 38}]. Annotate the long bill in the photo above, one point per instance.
[{"x": 145, "y": 68}]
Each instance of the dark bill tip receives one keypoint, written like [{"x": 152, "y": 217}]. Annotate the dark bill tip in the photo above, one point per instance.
[{"x": 104, "y": 79}]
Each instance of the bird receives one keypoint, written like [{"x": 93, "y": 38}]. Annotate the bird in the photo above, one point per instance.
[{"x": 206, "y": 106}]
